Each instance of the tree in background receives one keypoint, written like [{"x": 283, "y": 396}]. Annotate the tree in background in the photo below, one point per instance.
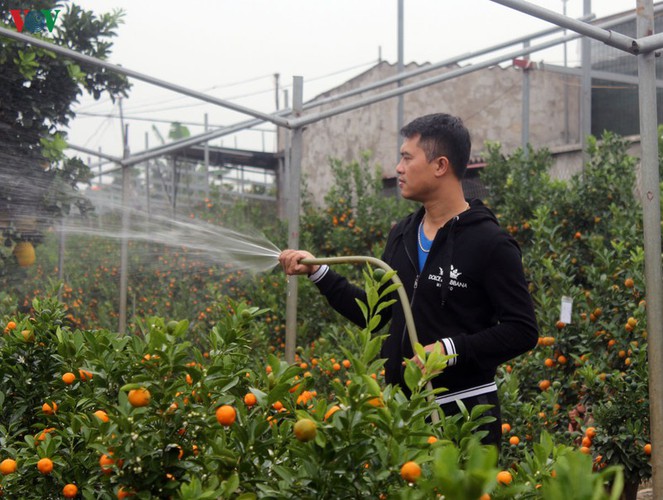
[{"x": 37, "y": 92}]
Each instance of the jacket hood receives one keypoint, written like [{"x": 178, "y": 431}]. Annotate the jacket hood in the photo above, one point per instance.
[{"x": 477, "y": 214}]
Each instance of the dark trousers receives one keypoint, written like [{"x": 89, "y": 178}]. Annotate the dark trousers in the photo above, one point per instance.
[{"x": 494, "y": 429}]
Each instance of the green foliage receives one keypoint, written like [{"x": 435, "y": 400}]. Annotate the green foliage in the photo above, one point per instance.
[
  {"x": 587, "y": 424},
  {"x": 178, "y": 131},
  {"x": 570, "y": 481},
  {"x": 37, "y": 92},
  {"x": 519, "y": 183},
  {"x": 581, "y": 239},
  {"x": 175, "y": 447}
]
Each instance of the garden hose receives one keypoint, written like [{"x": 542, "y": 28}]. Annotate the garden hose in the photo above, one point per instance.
[{"x": 407, "y": 311}]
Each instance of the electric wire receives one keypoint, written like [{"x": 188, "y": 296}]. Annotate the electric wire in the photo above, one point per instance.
[
  {"x": 100, "y": 102},
  {"x": 241, "y": 96},
  {"x": 207, "y": 89},
  {"x": 103, "y": 125},
  {"x": 482, "y": 107},
  {"x": 84, "y": 114}
]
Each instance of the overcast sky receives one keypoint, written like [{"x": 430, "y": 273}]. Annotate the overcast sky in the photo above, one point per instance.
[{"x": 233, "y": 48}]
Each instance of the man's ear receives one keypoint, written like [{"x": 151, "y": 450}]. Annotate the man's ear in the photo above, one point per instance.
[{"x": 442, "y": 166}]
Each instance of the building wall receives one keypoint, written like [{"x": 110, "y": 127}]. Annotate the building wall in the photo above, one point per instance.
[
  {"x": 568, "y": 160},
  {"x": 489, "y": 102}
]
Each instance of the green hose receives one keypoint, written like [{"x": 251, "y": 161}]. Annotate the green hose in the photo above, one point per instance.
[
  {"x": 409, "y": 320},
  {"x": 407, "y": 311}
]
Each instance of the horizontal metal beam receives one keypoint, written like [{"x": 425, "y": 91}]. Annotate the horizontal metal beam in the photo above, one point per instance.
[
  {"x": 197, "y": 139},
  {"x": 192, "y": 141},
  {"x": 183, "y": 143},
  {"x": 650, "y": 43},
  {"x": 63, "y": 51},
  {"x": 599, "y": 75},
  {"x": 158, "y": 120},
  {"x": 387, "y": 81},
  {"x": 306, "y": 120},
  {"x": 608, "y": 37},
  {"x": 401, "y": 76},
  {"x": 175, "y": 146},
  {"x": 112, "y": 171},
  {"x": 98, "y": 154}
]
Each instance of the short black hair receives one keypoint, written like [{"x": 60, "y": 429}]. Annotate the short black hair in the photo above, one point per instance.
[{"x": 442, "y": 134}]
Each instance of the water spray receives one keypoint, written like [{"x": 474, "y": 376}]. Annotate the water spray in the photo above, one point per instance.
[
  {"x": 407, "y": 310},
  {"x": 251, "y": 252}
]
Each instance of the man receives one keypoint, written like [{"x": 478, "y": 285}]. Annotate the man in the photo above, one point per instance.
[{"x": 463, "y": 274}]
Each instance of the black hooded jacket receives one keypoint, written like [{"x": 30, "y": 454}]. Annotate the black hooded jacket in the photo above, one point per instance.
[{"x": 471, "y": 295}]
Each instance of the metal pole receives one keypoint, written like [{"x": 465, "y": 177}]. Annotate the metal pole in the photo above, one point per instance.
[
  {"x": 173, "y": 185},
  {"x": 61, "y": 250},
  {"x": 294, "y": 182},
  {"x": 276, "y": 90},
  {"x": 124, "y": 246},
  {"x": 283, "y": 180},
  {"x": 140, "y": 76},
  {"x": 446, "y": 63},
  {"x": 400, "y": 69},
  {"x": 524, "y": 138},
  {"x": 147, "y": 177},
  {"x": 567, "y": 134},
  {"x": 206, "y": 156},
  {"x": 98, "y": 153},
  {"x": 599, "y": 75},
  {"x": 612, "y": 38},
  {"x": 411, "y": 87},
  {"x": 649, "y": 189},
  {"x": 180, "y": 144},
  {"x": 651, "y": 42},
  {"x": 586, "y": 88}
]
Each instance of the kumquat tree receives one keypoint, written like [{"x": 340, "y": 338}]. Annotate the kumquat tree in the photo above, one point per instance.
[
  {"x": 143, "y": 310},
  {"x": 196, "y": 400}
]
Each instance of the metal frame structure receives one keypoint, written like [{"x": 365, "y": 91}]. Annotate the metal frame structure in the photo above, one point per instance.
[{"x": 643, "y": 47}]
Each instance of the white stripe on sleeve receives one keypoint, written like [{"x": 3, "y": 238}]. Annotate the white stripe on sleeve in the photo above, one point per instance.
[
  {"x": 450, "y": 348},
  {"x": 319, "y": 274}
]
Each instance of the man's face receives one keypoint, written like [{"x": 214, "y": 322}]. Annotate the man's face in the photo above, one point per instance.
[{"x": 416, "y": 175}]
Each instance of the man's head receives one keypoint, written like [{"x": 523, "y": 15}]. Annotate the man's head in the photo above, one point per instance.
[{"x": 441, "y": 134}]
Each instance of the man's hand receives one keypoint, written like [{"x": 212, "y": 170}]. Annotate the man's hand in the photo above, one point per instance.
[
  {"x": 290, "y": 261},
  {"x": 428, "y": 348}
]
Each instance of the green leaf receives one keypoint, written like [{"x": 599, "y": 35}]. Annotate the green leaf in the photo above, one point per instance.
[
  {"x": 230, "y": 485},
  {"x": 364, "y": 309},
  {"x": 388, "y": 290},
  {"x": 412, "y": 375},
  {"x": 53, "y": 147},
  {"x": 479, "y": 410},
  {"x": 372, "y": 349},
  {"x": 261, "y": 396},
  {"x": 374, "y": 323},
  {"x": 384, "y": 304}
]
